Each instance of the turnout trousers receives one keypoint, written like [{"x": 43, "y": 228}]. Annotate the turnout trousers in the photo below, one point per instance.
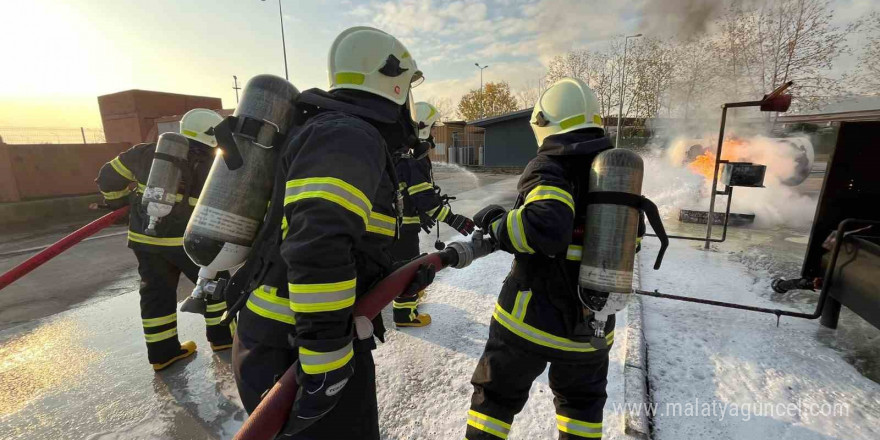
[
  {"x": 502, "y": 380},
  {"x": 160, "y": 273},
  {"x": 356, "y": 417},
  {"x": 405, "y": 248}
]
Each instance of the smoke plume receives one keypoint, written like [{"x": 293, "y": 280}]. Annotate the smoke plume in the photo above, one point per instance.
[{"x": 682, "y": 18}]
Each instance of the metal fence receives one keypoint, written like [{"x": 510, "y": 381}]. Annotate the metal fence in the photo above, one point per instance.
[
  {"x": 466, "y": 148},
  {"x": 48, "y": 135}
]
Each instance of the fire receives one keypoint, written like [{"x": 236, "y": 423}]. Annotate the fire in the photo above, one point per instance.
[{"x": 734, "y": 149}]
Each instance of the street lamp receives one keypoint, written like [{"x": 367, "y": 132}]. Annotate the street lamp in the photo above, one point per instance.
[
  {"x": 481, "y": 86},
  {"x": 622, "y": 76},
  {"x": 283, "y": 44}
]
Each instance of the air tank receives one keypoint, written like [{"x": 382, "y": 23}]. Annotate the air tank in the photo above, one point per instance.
[
  {"x": 611, "y": 230},
  {"x": 233, "y": 202},
  {"x": 160, "y": 193}
]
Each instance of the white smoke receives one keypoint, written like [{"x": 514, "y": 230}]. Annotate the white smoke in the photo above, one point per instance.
[{"x": 673, "y": 186}]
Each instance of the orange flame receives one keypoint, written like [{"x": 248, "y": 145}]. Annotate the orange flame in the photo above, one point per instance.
[{"x": 734, "y": 150}]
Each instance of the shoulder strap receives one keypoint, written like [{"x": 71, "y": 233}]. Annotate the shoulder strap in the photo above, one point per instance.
[{"x": 642, "y": 204}]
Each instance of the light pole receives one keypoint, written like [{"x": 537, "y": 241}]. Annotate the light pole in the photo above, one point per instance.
[
  {"x": 622, "y": 76},
  {"x": 481, "y": 86},
  {"x": 235, "y": 87},
  {"x": 283, "y": 44}
]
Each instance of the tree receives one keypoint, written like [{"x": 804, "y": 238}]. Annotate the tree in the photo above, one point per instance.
[
  {"x": 867, "y": 78},
  {"x": 496, "y": 100},
  {"x": 528, "y": 95},
  {"x": 574, "y": 64}
]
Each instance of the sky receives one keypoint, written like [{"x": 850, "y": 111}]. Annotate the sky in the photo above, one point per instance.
[{"x": 59, "y": 55}]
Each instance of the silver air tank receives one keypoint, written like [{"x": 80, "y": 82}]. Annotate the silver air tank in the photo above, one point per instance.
[
  {"x": 233, "y": 202},
  {"x": 610, "y": 236},
  {"x": 160, "y": 194}
]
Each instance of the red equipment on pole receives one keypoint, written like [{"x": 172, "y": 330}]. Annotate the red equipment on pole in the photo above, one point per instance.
[{"x": 60, "y": 246}]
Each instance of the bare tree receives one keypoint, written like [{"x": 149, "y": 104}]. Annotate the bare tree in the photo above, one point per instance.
[
  {"x": 867, "y": 77},
  {"x": 574, "y": 64},
  {"x": 528, "y": 94},
  {"x": 444, "y": 106}
]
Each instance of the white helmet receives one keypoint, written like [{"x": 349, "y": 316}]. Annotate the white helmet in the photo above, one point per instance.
[
  {"x": 426, "y": 117},
  {"x": 198, "y": 125},
  {"x": 363, "y": 58},
  {"x": 568, "y": 105}
]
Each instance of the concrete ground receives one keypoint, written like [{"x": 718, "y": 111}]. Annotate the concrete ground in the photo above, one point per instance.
[{"x": 72, "y": 357}]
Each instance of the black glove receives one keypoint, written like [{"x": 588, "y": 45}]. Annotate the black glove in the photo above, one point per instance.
[
  {"x": 486, "y": 216},
  {"x": 460, "y": 223},
  {"x": 426, "y": 222},
  {"x": 424, "y": 277},
  {"x": 317, "y": 396}
]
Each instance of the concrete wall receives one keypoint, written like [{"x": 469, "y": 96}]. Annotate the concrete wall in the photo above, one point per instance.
[
  {"x": 510, "y": 143},
  {"x": 130, "y": 116},
  {"x": 31, "y": 172}
]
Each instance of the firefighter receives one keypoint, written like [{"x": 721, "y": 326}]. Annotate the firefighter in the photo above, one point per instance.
[
  {"x": 539, "y": 318},
  {"x": 423, "y": 207},
  {"x": 161, "y": 258},
  {"x": 339, "y": 216}
]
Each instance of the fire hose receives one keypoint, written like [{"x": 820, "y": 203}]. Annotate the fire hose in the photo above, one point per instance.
[
  {"x": 60, "y": 246},
  {"x": 271, "y": 414}
]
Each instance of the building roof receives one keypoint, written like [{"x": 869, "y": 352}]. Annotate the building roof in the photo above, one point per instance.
[{"x": 501, "y": 118}]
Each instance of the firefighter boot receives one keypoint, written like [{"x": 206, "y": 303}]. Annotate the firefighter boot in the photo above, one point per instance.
[
  {"x": 406, "y": 313},
  {"x": 186, "y": 350}
]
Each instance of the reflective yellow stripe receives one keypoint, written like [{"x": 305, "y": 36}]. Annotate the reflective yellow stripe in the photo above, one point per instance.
[
  {"x": 424, "y": 186},
  {"x": 122, "y": 169},
  {"x": 516, "y": 232},
  {"x": 522, "y": 302},
  {"x": 213, "y": 321},
  {"x": 574, "y": 252},
  {"x": 546, "y": 192},
  {"x": 332, "y": 189},
  {"x": 321, "y": 297},
  {"x": 540, "y": 337},
  {"x": 114, "y": 195},
  {"x": 315, "y": 362},
  {"x": 411, "y": 220},
  {"x": 192, "y": 201},
  {"x": 572, "y": 121},
  {"x": 488, "y": 424},
  {"x": 264, "y": 302},
  {"x": 401, "y": 185},
  {"x": 284, "y": 226},
  {"x": 156, "y": 337},
  {"x": 216, "y": 307},
  {"x": 162, "y": 320},
  {"x": 382, "y": 224},
  {"x": 350, "y": 78},
  {"x": 155, "y": 241},
  {"x": 578, "y": 427}
]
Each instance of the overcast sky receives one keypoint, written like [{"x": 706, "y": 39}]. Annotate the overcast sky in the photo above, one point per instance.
[{"x": 58, "y": 55}]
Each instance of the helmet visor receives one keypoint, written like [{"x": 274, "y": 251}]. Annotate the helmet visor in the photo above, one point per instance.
[
  {"x": 417, "y": 79},
  {"x": 411, "y": 108}
]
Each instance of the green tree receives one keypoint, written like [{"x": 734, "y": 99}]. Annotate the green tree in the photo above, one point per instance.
[{"x": 496, "y": 100}]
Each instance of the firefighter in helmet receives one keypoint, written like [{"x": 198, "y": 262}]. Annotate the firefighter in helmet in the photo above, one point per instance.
[
  {"x": 539, "y": 318},
  {"x": 161, "y": 258},
  {"x": 338, "y": 220},
  {"x": 423, "y": 206}
]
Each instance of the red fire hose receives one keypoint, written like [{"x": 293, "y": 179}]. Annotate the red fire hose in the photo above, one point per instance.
[
  {"x": 60, "y": 246},
  {"x": 270, "y": 416}
]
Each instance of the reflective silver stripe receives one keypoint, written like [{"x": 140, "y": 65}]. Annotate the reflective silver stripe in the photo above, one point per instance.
[
  {"x": 323, "y": 297},
  {"x": 539, "y": 337},
  {"x": 579, "y": 428},
  {"x": 313, "y": 362},
  {"x": 521, "y": 303},
  {"x": 332, "y": 189},
  {"x": 264, "y": 302},
  {"x": 382, "y": 224},
  {"x": 574, "y": 252},
  {"x": 488, "y": 424},
  {"x": 516, "y": 233},
  {"x": 546, "y": 192}
]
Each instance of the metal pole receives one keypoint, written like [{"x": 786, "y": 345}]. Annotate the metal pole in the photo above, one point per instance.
[
  {"x": 715, "y": 176},
  {"x": 235, "y": 87},
  {"x": 482, "y": 111},
  {"x": 83, "y": 131},
  {"x": 622, "y": 77},
  {"x": 283, "y": 43}
]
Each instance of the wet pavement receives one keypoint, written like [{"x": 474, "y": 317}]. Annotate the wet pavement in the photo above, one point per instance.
[{"x": 72, "y": 356}]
